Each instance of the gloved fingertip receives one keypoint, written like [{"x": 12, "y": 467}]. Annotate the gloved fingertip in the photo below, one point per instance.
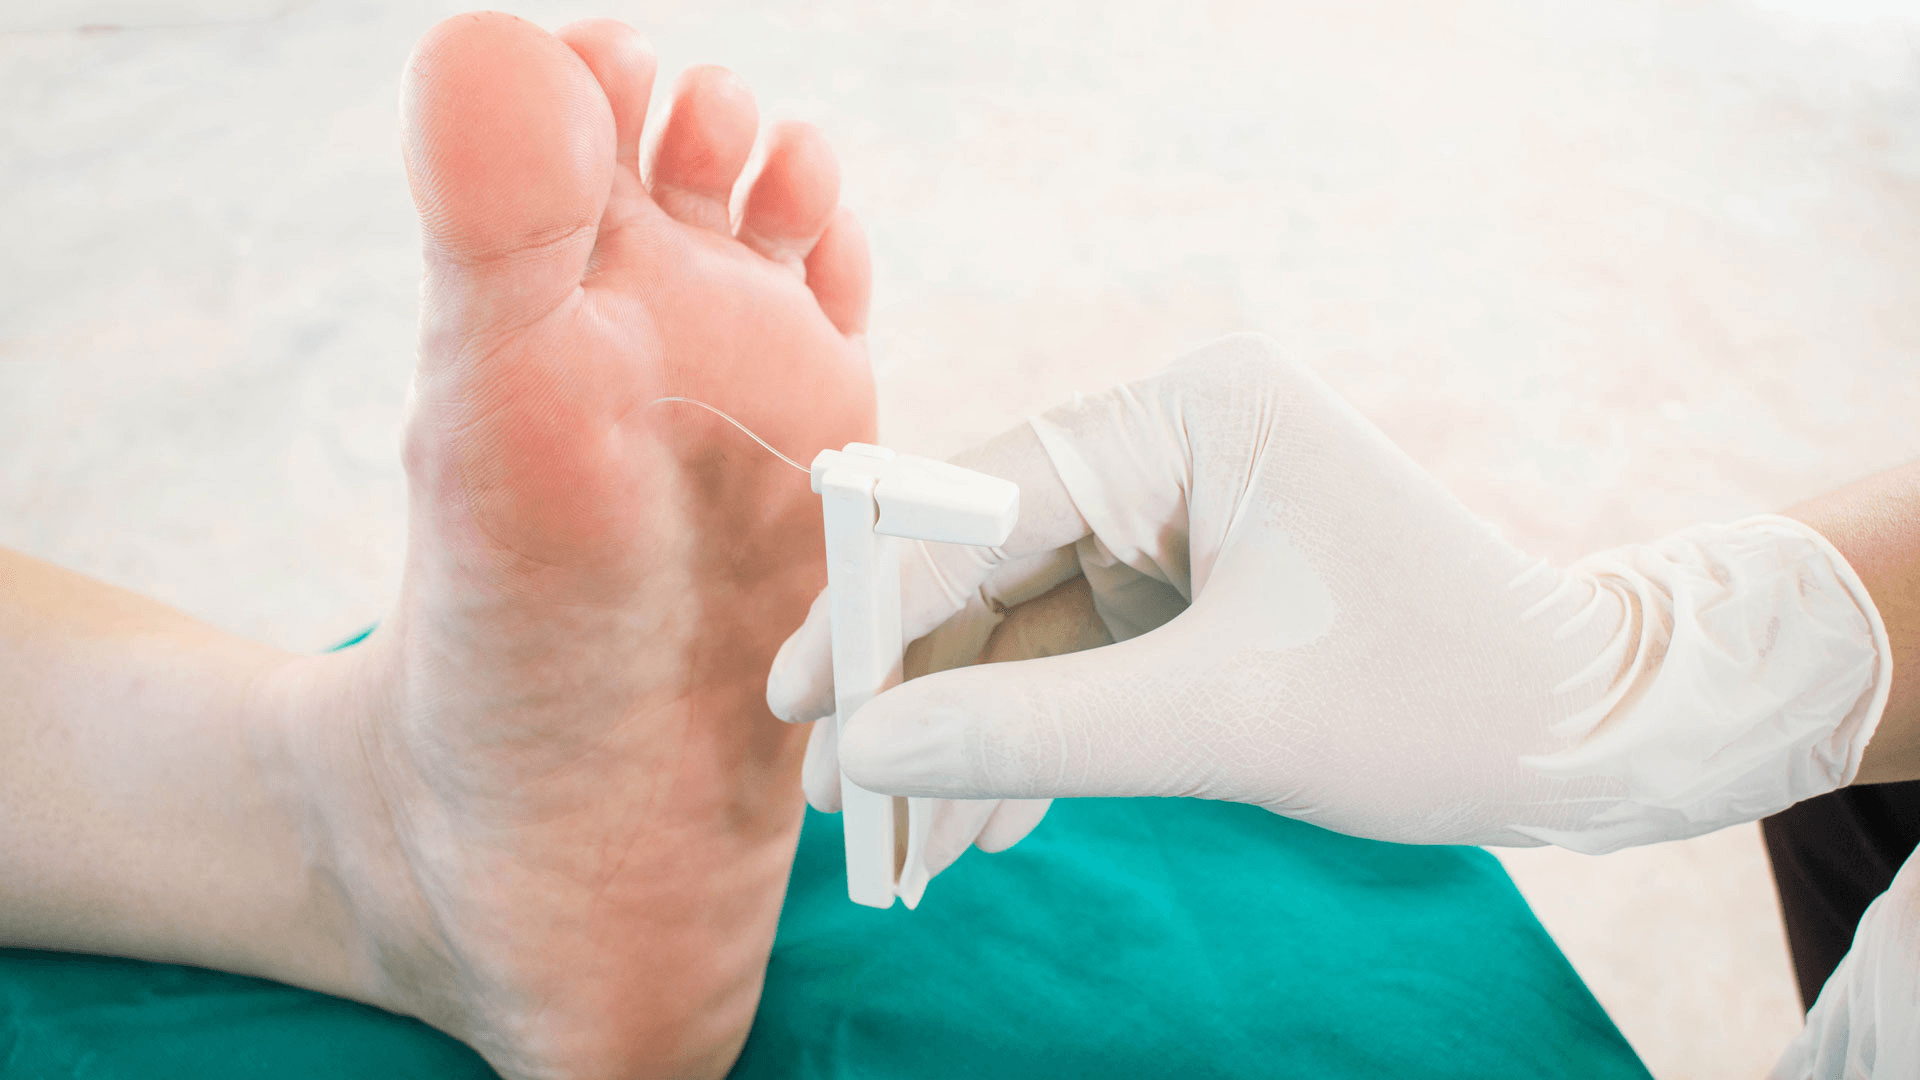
[
  {"x": 956, "y": 822},
  {"x": 1012, "y": 820},
  {"x": 824, "y": 797},
  {"x": 820, "y": 770},
  {"x": 800, "y": 682},
  {"x": 827, "y": 801},
  {"x": 906, "y": 751},
  {"x": 784, "y": 700}
]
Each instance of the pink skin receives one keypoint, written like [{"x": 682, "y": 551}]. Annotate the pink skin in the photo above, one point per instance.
[{"x": 553, "y": 808}]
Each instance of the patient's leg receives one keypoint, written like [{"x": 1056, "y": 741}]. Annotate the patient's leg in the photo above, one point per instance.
[{"x": 552, "y": 793}]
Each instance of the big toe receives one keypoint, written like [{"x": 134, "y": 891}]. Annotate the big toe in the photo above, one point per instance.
[{"x": 510, "y": 154}]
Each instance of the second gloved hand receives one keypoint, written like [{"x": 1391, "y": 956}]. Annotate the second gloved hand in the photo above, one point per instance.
[{"x": 1306, "y": 621}]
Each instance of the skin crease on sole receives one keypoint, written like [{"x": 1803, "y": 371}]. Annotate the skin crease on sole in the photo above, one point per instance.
[{"x": 546, "y": 804}]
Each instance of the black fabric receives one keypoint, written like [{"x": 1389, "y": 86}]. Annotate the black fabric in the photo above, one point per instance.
[{"x": 1832, "y": 855}]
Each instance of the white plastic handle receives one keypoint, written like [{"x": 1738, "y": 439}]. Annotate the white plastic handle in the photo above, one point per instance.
[{"x": 869, "y": 495}]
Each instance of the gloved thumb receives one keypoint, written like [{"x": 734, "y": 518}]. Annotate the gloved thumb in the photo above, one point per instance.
[{"x": 1080, "y": 724}]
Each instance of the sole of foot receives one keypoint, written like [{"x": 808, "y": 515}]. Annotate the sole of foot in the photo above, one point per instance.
[{"x": 552, "y": 809}]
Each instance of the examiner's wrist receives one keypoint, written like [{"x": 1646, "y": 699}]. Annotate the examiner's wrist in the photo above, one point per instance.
[{"x": 1874, "y": 527}]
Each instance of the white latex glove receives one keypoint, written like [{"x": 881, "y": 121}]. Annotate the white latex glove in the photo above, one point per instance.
[
  {"x": 1307, "y": 621},
  {"x": 1866, "y": 1022}
]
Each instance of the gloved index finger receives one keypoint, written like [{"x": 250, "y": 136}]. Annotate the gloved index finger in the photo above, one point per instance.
[
  {"x": 800, "y": 683},
  {"x": 1048, "y": 517}
]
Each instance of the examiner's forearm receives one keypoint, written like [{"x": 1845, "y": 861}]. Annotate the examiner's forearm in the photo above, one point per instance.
[
  {"x": 1875, "y": 523},
  {"x": 135, "y": 819}
]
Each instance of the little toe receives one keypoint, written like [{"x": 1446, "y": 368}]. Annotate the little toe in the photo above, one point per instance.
[
  {"x": 702, "y": 146},
  {"x": 624, "y": 63},
  {"x": 840, "y": 273},
  {"x": 509, "y": 152},
  {"x": 789, "y": 204}
]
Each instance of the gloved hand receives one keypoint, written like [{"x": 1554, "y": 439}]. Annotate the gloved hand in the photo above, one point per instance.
[
  {"x": 1306, "y": 621},
  {"x": 969, "y": 635}
]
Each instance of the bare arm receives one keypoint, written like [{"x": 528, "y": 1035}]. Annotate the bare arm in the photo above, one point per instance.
[
  {"x": 136, "y": 818},
  {"x": 1876, "y": 524}
]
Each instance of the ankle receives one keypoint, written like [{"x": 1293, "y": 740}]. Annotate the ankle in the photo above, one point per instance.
[{"x": 317, "y": 743}]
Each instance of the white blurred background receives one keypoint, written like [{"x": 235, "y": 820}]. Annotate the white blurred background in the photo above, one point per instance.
[{"x": 1607, "y": 267}]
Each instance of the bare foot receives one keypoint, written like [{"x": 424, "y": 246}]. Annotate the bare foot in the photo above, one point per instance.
[{"x": 558, "y": 812}]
